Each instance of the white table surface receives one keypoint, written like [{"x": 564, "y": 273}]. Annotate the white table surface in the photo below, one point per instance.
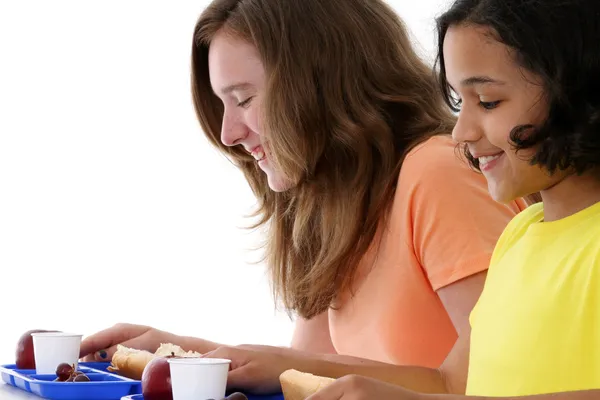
[{"x": 8, "y": 392}]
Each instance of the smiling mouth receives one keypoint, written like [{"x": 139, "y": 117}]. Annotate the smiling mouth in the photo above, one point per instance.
[
  {"x": 486, "y": 162},
  {"x": 486, "y": 159}
]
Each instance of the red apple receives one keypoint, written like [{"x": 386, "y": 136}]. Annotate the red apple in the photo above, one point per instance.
[
  {"x": 24, "y": 353},
  {"x": 156, "y": 380}
]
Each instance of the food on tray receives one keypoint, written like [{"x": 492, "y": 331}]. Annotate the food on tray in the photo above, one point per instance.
[
  {"x": 64, "y": 371},
  {"x": 297, "y": 385},
  {"x": 81, "y": 378},
  {"x": 67, "y": 373},
  {"x": 131, "y": 362},
  {"x": 156, "y": 379},
  {"x": 24, "y": 357}
]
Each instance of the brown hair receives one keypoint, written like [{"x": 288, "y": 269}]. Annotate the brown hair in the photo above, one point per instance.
[{"x": 346, "y": 98}]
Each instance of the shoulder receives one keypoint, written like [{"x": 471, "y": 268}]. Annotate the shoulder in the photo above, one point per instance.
[
  {"x": 519, "y": 224},
  {"x": 516, "y": 228}
]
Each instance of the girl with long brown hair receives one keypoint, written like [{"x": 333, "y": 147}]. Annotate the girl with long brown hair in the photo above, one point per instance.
[{"x": 379, "y": 234}]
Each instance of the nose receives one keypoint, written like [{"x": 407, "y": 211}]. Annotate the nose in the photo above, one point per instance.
[
  {"x": 233, "y": 130},
  {"x": 466, "y": 128}
]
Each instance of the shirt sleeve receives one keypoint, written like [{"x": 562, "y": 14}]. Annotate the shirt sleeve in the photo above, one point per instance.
[{"x": 455, "y": 221}]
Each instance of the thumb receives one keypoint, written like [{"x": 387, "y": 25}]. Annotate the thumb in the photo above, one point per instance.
[
  {"x": 251, "y": 378},
  {"x": 242, "y": 378},
  {"x": 333, "y": 391}
]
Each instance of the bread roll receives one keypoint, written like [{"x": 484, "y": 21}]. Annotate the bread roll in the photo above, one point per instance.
[
  {"x": 297, "y": 385},
  {"x": 131, "y": 362}
]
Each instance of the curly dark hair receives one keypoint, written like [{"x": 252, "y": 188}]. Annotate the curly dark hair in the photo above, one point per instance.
[{"x": 559, "y": 41}]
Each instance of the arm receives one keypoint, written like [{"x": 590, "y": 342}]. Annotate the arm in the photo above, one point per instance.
[
  {"x": 196, "y": 344},
  {"x": 102, "y": 345},
  {"x": 459, "y": 299}
]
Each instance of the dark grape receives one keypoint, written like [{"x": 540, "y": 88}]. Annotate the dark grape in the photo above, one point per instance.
[
  {"x": 64, "y": 371},
  {"x": 81, "y": 378}
]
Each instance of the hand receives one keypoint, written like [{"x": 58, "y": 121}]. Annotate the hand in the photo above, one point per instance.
[
  {"x": 355, "y": 387},
  {"x": 102, "y": 345},
  {"x": 256, "y": 369}
]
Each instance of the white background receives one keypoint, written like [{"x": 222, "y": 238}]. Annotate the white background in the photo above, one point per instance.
[{"x": 113, "y": 206}]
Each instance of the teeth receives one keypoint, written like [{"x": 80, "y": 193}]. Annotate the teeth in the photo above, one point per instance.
[
  {"x": 486, "y": 159},
  {"x": 259, "y": 155}
]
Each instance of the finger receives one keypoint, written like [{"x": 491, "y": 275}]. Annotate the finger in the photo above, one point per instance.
[
  {"x": 138, "y": 343},
  {"x": 333, "y": 391},
  {"x": 237, "y": 379},
  {"x": 93, "y": 346}
]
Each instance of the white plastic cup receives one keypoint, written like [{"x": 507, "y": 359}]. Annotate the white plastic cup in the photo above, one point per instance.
[
  {"x": 198, "y": 378},
  {"x": 53, "y": 348}
]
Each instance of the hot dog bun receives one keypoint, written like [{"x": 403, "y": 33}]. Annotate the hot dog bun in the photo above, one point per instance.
[
  {"x": 297, "y": 385},
  {"x": 130, "y": 362}
]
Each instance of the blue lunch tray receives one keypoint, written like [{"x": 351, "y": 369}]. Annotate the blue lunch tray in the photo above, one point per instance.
[{"x": 104, "y": 385}]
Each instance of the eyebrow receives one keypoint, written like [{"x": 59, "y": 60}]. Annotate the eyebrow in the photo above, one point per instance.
[
  {"x": 235, "y": 86},
  {"x": 480, "y": 80}
]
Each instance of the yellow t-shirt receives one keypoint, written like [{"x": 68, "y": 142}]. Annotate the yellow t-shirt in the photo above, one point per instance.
[{"x": 536, "y": 327}]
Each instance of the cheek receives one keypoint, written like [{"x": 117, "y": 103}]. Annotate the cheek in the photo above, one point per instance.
[
  {"x": 497, "y": 131},
  {"x": 253, "y": 118}
]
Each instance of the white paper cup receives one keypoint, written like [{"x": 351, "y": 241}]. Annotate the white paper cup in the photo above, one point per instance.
[
  {"x": 198, "y": 378},
  {"x": 53, "y": 348}
]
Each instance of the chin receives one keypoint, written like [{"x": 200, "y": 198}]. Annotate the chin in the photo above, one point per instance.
[
  {"x": 278, "y": 184},
  {"x": 501, "y": 195}
]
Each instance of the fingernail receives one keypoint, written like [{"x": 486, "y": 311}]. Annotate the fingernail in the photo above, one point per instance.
[{"x": 102, "y": 354}]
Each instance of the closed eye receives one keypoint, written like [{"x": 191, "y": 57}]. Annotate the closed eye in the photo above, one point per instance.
[{"x": 246, "y": 102}]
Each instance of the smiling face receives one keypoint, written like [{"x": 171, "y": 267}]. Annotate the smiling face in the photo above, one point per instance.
[
  {"x": 237, "y": 77},
  {"x": 496, "y": 95}
]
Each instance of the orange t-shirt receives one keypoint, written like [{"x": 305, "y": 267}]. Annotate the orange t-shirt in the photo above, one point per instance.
[{"x": 443, "y": 227}]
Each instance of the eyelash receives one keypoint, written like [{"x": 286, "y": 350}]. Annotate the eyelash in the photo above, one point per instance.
[
  {"x": 486, "y": 105},
  {"x": 489, "y": 105},
  {"x": 245, "y": 103}
]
